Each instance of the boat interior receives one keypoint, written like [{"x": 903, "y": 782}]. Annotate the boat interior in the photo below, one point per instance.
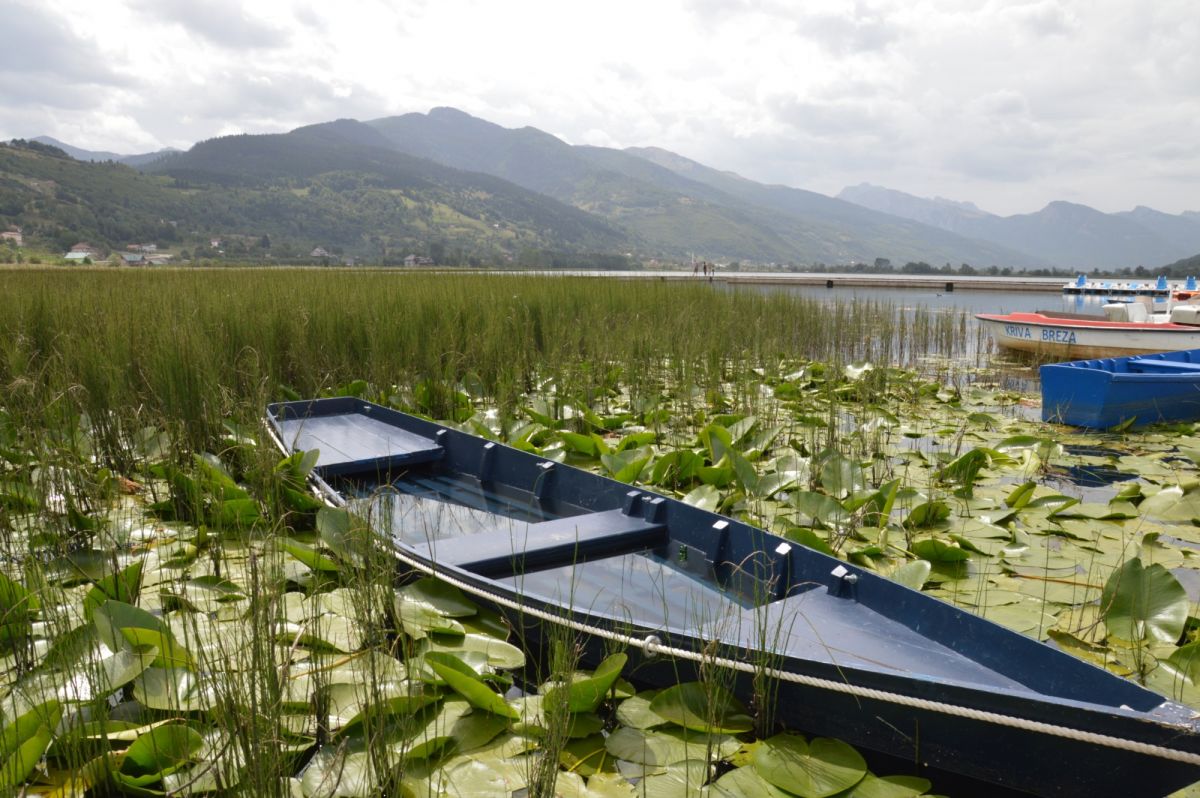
[{"x": 631, "y": 559}]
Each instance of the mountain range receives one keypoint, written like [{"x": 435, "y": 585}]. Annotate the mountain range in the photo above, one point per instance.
[
  {"x": 80, "y": 154},
  {"x": 462, "y": 189},
  {"x": 1063, "y": 233}
]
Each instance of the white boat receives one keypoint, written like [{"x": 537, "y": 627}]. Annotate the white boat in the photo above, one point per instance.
[{"x": 1126, "y": 328}]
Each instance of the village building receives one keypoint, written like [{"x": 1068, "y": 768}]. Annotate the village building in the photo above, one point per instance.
[
  {"x": 82, "y": 251},
  {"x": 14, "y": 235}
]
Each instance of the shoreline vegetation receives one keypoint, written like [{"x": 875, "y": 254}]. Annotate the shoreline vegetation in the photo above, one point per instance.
[{"x": 178, "y": 615}]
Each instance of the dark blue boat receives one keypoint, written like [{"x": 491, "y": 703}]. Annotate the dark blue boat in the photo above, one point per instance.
[
  {"x": 849, "y": 654},
  {"x": 1105, "y": 392}
]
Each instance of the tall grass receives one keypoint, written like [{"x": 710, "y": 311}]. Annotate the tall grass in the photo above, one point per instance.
[{"x": 190, "y": 349}]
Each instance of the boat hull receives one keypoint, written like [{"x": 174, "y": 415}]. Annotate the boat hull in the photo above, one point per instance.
[
  {"x": 1104, "y": 392},
  {"x": 1074, "y": 338},
  {"x": 843, "y": 652}
]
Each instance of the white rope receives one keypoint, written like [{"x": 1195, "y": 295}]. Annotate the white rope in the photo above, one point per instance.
[{"x": 652, "y": 646}]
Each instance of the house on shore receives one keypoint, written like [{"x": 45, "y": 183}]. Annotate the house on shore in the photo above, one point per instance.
[{"x": 82, "y": 251}]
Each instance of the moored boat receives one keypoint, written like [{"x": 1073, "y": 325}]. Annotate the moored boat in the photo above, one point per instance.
[
  {"x": 1160, "y": 289},
  {"x": 851, "y": 654},
  {"x": 1126, "y": 328},
  {"x": 1105, "y": 392}
]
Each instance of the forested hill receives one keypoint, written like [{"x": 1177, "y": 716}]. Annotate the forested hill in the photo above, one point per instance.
[
  {"x": 327, "y": 186},
  {"x": 456, "y": 189}
]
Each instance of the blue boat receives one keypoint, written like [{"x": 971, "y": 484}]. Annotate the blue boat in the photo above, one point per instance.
[
  {"x": 1107, "y": 392},
  {"x": 843, "y": 652}
]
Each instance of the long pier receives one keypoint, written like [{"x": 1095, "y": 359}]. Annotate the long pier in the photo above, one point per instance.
[{"x": 941, "y": 283}]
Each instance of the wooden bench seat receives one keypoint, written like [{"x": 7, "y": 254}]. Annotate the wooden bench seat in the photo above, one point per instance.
[
  {"x": 355, "y": 443},
  {"x": 534, "y": 546}
]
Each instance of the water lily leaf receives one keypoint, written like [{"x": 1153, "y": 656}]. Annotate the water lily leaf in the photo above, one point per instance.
[
  {"x": 747, "y": 477},
  {"x": 913, "y": 574},
  {"x": 15, "y": 605},
  {"x": 121, "y": 586},
  {"x": 585, "y": 694},
  {"x": 121, "y": 626},
  {"x": 745, "y": 782},
  {"x": 1021, "y": 495},
  {"x": 215, "y": 479},
  {"x": 22, "y": 743},
  {"x": 680, "y": 780},
  {"x": 927, "y": 514},
  {"x": 1178, "y": 676},
  {"x": 339, "y": 772},
  {"x": 581, "y": 444},
  {"x": 678, "y": 467},
  {"x": 296, "y": 467},
  {"x": 1097, "y": 655},
  {"x": 877, "y": 506},
  {"x": 418, "y": 619},
  {"x": 965, "y": 469},
  {"x": 626, "y": 466},
  {"x": 841, "y": 476},
  {"x": 663, "y": 748},
  {"x": 464, "y": 681},
  {"x": 352, "y": 703},
  {"x": 706, "y": 497},
  {"x": 1144, "y": 603},
  {"x": 821, "y": 508},
  {"x": 309, "y": 555},
  {"x": 635, "y": 712},
  {"x": 587, "y": 756},
  {"x": 873, "y": 786},
  {"x": 719, "y": 476},
  {"x": 210, "y": 591},
  {"x": 812, "y": 770},
  {"x": 468, "y": 778},
  {"x": 706, "y": 707},
  {"x": 173, "y": 690},
  {"x": 445, "y": 598},
  {"x": 1172, "y": 504},
  {"x": 718, "y": 441},
  {"x": 157, "y": 753},
  {"x": 807, "y": 537},
  {"x": 500, "y": 653}
]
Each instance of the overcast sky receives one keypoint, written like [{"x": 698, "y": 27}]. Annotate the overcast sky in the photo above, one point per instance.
[{"x": 1007, "y": 104}]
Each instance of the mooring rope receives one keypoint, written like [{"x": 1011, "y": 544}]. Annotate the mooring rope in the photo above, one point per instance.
[{"x": 650, "y": 645}]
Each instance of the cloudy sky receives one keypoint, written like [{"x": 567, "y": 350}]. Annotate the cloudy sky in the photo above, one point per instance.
[{"x": 1008, "y": 103}]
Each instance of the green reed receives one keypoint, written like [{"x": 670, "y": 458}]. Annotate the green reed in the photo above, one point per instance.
[{"x": 191, "y": 348}]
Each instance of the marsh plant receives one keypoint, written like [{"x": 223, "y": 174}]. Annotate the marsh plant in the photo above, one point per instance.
[{"x": 179, "y": 615}]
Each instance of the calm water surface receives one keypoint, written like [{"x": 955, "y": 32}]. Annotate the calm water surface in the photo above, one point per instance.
[{"x": 969, "y": 301}]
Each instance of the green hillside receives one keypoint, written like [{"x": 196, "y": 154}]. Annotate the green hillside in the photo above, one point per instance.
[
  {"x": 675, "y": 212},
  {"x": 281, "y": 196}
]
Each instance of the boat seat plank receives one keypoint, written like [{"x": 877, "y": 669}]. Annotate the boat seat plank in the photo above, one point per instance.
[
  {"x": 1152, "y": 366},
  {"x": 356, "y": 443},
  {"x": 526, "y": 547}
]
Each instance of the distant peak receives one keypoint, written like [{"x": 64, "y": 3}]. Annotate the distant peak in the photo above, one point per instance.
[{"x": 446, "y": 111}]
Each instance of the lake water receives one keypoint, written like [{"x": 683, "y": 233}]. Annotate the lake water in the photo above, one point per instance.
[{"x": 969, "y": 301}]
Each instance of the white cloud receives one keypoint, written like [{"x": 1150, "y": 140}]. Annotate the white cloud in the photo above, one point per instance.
[{"x": 1010, "y": 104}]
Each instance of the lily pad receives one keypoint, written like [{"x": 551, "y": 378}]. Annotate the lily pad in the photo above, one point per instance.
[
  {"x": 1144, "y": 603},
  {"x": 818, "y": 769},
  {"x": 705, "y": 707}
]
